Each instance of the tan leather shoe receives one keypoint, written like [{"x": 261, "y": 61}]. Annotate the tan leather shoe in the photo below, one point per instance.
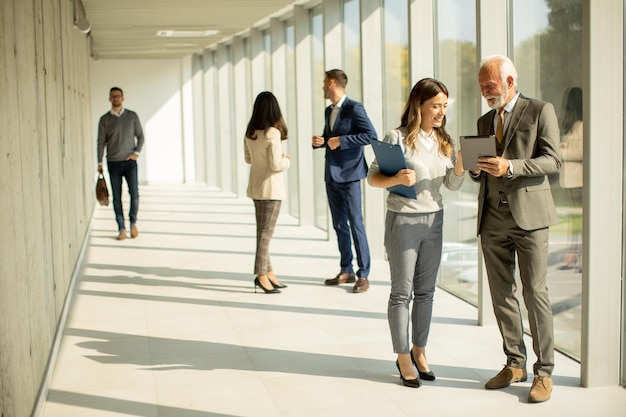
[
  {"x": 133, "y": 231},
  {"x": 341, "y": 278},
  {"x": 362, "y": 285},
  {"x": 506, "y": 377},
  {"x": 122, "y": 235},
  {"x": 540, "y": 390}
]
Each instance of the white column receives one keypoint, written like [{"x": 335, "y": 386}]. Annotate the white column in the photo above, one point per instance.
[
  {"x": 304, "y": 125},
  {"x": 421, "y": 39},
  {"x": 372, "y": 47},
  {"x": 492, "y": 31},
  {"x": 186, "y": 98},
  {"x": 210, "y": 119},
  {"x": 603, "y": 150},
  {"x": 197, "y": 88},
  {"x": 492, "y": 39},
  {"x": 242, "y": 103},
  {"x": 333, "y": 39},
  {"x": 226, "y": 133},
  {"x": 257, "y": 61},
  {"x": 333, "y": 58},
  {"x": 279, "y": 61}
]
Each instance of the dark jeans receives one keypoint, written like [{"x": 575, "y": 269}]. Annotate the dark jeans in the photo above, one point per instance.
[
  {"x": 117, "y": 170},
  {"x": 344, "y": 200}
]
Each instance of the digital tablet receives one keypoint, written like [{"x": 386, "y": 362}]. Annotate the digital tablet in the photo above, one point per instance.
[
  {"x": 474, "y": 147},
  {"x": 390, "y": 160}
]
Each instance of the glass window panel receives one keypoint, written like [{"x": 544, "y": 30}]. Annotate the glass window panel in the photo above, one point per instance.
[
  {"x": 319, "y": 104},
  {"x": 457, "y": 68},
  {"x": 547, "y": 40},
  {"x": 396, "y": 87},
  {"x": 291, "y": 120}
]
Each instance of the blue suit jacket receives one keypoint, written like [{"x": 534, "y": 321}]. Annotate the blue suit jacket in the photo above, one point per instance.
[{"x": 347, "y": 163}]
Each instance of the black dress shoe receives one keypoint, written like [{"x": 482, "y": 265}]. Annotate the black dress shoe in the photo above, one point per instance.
[
  {"x": 411, "y": 383},
  {"x": 278, "y": 285},
  {"x": 427, "y": 376}
]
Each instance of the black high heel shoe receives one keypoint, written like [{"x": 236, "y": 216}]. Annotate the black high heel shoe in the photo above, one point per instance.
[
  {"x": 428, "y": 376},
  {"x": 257, "y": 283},
  {"x": 277, "y": 285},
  {"x": 411, "y": 383}
]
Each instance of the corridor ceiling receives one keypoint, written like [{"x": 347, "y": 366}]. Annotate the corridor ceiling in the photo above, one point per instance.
[{"x": 127, "y": 29}]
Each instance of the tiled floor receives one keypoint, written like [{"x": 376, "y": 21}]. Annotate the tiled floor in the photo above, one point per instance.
[{"x": 169, "y": 325}]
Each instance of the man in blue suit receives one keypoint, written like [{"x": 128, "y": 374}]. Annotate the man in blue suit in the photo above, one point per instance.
[{"x": 346, "y": 130}]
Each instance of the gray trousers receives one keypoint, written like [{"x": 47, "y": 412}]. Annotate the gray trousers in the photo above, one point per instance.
[
  {"x": 267, "y": 212},
  {"x": 501, "y": 240},
  {"x": 413, "y": 243}
]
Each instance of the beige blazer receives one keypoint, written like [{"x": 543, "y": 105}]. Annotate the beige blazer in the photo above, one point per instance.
[
  {"x": 532, "y": 145},
  {"x": 264, "y": 154}
]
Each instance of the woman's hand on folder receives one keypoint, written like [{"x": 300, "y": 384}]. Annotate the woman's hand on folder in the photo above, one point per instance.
[{"x": 405, "y": 177}]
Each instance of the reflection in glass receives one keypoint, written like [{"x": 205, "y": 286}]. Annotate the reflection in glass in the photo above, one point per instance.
[
  {"x": 396, "y": 89},
  {"x": 547, "y": 39},
  {"x": 571, "y": 175},
  {"x": 457, "y": 68}
]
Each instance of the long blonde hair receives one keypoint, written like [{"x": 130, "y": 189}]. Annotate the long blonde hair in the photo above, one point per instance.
[{"x": 424, "y": 90}]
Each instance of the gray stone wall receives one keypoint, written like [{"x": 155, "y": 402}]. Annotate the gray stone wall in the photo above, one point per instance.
[{"x": 47, "y": 175}]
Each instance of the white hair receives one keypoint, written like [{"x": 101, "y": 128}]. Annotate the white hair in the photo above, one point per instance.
[{"x": 507, "y": 68}]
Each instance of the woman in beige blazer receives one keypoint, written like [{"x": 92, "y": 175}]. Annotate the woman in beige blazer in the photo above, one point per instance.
[{"x": 266, "y": 187}]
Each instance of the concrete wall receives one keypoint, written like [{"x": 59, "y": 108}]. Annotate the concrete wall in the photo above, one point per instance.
[{"x": 46, "y": 185}]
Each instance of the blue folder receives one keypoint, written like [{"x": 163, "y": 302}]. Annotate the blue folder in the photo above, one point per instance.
[{"x": 390, "y": 160}]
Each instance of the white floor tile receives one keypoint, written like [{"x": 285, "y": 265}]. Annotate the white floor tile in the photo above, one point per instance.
[{"x": 168, "y": 325}]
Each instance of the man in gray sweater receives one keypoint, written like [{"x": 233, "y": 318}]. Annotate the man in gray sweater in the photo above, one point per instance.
[{"x": 120, "y": 132}]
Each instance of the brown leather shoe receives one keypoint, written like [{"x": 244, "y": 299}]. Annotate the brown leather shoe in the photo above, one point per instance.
[
  {"x": 341, "y": 278},
  {"x": 540, "y": 390},
  {"x": 506, "y": 377},
  {"x": 122, "y": 235},
  {"x": 133, "y": 231},
  {"x": 362, "y": 285}
]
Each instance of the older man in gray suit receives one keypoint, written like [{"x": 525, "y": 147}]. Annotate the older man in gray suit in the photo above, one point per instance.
[{"x": 515, "y": 210}]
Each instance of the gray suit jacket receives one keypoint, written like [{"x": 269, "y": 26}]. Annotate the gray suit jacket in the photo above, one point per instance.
[{"x": 531, "y": 143}]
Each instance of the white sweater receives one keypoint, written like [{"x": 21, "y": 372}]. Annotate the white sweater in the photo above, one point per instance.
[{"x": 432, "y": 170}]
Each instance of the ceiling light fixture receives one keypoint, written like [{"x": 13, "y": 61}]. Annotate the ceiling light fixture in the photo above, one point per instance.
[{"x": 186, "y": 33}]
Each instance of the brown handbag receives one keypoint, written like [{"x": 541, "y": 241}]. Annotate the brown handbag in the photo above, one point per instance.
[{"x": 102, "y": 191}]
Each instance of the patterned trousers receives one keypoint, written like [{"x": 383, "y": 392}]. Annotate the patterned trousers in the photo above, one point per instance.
[{"x": 267, "y": 212}]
